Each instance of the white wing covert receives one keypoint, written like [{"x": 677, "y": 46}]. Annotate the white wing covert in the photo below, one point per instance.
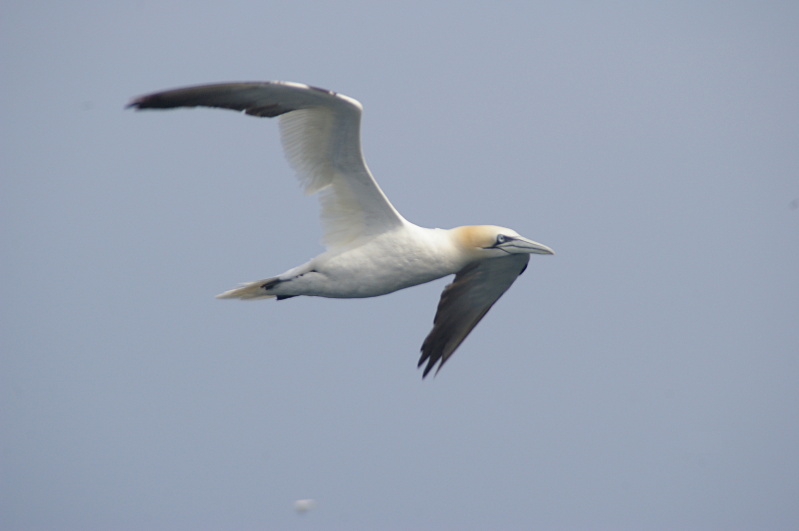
[{"x": 321, "y": 138}]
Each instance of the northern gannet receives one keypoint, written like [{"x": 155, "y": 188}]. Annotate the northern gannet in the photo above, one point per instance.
[{"x": 371, "y": 249}]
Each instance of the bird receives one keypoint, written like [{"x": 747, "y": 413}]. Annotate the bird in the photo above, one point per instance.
[{"x": 370, "y": 249}]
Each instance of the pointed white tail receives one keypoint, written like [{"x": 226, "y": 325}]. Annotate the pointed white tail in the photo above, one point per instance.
[{"x": 250, "y": 290}]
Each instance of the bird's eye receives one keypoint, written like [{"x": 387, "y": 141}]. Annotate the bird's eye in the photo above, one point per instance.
[{"x": 501, "y": 238}]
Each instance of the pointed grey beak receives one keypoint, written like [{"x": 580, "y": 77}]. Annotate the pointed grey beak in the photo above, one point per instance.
[{"x": 529, "y": 246}]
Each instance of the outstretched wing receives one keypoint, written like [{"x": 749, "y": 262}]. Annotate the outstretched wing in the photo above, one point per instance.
[
  {"x": 465, "y": 301},
  {"x": 321, "y": 138}
]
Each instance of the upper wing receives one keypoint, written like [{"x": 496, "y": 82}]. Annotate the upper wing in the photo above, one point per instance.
[
  {"x": 465, "y": 301},
  {"x": 321, "y": 138}
]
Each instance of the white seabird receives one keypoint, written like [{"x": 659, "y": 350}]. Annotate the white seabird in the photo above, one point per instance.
[{"x": 371, "y": 249}]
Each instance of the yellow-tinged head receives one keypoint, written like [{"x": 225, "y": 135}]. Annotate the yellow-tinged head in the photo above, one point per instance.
[{"x": 498, "y": 241}]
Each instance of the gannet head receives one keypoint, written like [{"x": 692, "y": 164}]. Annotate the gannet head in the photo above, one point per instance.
[{"x": 490, "y": 240}]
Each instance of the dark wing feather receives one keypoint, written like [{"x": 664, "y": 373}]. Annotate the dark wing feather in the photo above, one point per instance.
[
  {"x": 252, "y": 98},
  {"x": 321, "y": 138},
  {"x": 465, "y": 301}
]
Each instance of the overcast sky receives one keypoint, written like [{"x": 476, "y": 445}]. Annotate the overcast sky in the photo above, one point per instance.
[{"x": 645, "y": 377}]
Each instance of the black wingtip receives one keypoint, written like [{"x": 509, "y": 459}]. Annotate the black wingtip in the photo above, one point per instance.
[
  {"x": 151, "y": 101},
  {"x": 430, "y": 364}
]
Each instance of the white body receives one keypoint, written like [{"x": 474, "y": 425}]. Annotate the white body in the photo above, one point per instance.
[{"x": 404, "y": 257}]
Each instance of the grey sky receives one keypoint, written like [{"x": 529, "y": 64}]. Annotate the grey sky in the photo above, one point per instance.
[{"x": 645, "y": 377}]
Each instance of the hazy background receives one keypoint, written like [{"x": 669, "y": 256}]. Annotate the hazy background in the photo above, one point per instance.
[{"x": 645, "y": 377}]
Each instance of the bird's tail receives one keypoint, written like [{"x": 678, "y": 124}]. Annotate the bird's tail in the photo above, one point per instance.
[{"x": 251, "y": 290}]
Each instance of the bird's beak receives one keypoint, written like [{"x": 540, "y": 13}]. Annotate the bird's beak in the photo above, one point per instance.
[{"x": 523, "y": 245}]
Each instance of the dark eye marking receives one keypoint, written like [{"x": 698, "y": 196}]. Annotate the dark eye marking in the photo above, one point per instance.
[{"x": 501, "y": 240}]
